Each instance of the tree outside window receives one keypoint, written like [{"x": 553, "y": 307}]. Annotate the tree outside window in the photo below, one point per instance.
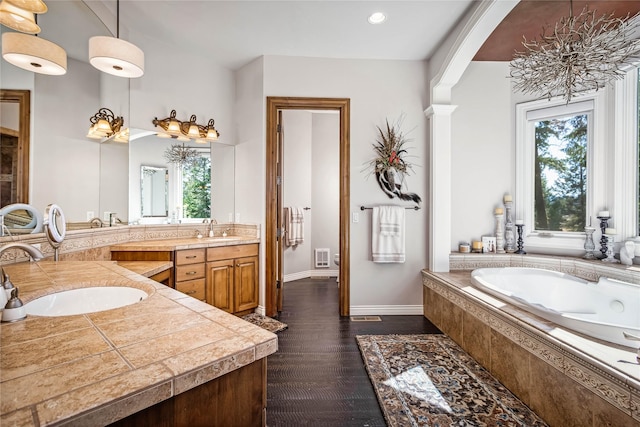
[
  {"x": 196, "y": 188},
  {"x": 560, "y": 180}
]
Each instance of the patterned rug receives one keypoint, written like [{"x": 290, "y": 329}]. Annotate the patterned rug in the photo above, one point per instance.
[
  {"x": 271, "y": 325},
  {"x": 428, "y": 380}
]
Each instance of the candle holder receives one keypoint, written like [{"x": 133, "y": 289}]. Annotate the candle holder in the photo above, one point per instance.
[
  {"x": 499, "y": 232},
  {"x": 520, "y": 241},
  {"x": 509, "y": 235},
  {"x": 604, "y": 223},
  {"x": 589, "y": 246},
  {"x": 610, "y": 258}
]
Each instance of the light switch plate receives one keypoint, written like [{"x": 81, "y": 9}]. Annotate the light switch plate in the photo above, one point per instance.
[{"x": 355, "y": 216}]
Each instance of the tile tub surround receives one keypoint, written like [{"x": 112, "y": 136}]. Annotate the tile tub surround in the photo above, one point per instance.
[
  {"x": 564, "y": 377},
  {"x": 94, "y": 244},
  {"x": 104, "y": 366}
]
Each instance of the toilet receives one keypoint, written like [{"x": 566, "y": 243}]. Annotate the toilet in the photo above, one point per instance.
[{"x": 336, "y": 260}]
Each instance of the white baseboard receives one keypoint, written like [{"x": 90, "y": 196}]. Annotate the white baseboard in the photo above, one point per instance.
[
  {"x": 310, "y": 273},
  {"x": 390, "y": 310}
]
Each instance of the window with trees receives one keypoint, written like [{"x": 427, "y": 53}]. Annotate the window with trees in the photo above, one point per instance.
[
  {"x": 196, "y": 187},
  {"x": 560, "y": 173}
]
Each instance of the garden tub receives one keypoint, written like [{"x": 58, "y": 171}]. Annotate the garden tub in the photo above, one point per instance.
[{"x": 606, "y": 309}]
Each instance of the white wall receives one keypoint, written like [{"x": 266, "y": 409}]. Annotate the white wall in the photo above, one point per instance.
[
  {"x": 325, "y": 186},
  {"x": 311, "y": 178},
  {"x": 297, "y": 177},
  {"x": 483, "y": 150},
  {"x": 378, "y": 90}
]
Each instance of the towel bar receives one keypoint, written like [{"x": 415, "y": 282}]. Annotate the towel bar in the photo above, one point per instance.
[{"x": 415, "y": 208}]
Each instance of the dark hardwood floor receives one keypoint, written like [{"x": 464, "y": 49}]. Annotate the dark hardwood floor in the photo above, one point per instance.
[{"x": 317, "y": 377}]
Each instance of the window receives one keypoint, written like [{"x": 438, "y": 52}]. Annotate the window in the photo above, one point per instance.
[
  {"x": 196, "y": 187},
  {"x": 560, "y": 171}
]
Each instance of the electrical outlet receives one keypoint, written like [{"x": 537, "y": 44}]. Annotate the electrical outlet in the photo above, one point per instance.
[
  {"x": 237, "y": 218},
  {"x": 90, "y": 215},
  {"x": 355, "y": 216},
  {"x": 105, "y": 216},
  {"x": 230, "y": 217}
]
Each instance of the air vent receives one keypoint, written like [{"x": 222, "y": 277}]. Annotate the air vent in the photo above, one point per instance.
[
  {"x": 322, "y": 257},
  {"x": 366, "y": 319}
]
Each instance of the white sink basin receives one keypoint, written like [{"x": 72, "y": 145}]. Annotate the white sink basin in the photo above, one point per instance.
[{"x": 84, "y": 300}]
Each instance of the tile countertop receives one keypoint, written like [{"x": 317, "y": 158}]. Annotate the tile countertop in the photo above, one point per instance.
[
  {"x": 104, "y": 366},
  {"x": 184, "y": 243},
  {"x": 146, "y": 268}
]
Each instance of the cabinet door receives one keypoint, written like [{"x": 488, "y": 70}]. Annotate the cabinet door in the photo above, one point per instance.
[
  {"x": 219, "y": 292},
  {"x": 246, "y": 283}
]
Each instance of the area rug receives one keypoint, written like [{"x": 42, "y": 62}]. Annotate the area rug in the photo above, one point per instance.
[
  {"x": 271, "y": 325},
  {"x": 428, "y": 380}
]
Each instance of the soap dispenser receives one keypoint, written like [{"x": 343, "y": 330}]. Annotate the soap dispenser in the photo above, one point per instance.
[{"x": 14, "y": 309}]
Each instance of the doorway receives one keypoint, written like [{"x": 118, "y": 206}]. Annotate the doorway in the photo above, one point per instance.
[{"x": 273, "y": 224}]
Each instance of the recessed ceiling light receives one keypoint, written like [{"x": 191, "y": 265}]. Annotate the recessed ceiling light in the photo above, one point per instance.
[{"x": 377, "y": 18}]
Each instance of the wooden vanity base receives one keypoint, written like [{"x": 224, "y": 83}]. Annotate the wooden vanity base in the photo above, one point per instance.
[{"x": 237, "y": 399}]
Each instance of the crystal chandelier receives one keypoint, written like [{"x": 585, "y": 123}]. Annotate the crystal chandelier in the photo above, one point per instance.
[
  {"x": 181, "y": 155},
  {"x": 580, "y": 53}
]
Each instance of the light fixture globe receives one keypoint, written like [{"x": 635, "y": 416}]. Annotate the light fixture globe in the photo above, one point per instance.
[
  {"x": 18, "y": 19},
  {"x": 116, "y": 56},
  {"x": 34, "y": 6},
  {"x": 34, "y": 54}
]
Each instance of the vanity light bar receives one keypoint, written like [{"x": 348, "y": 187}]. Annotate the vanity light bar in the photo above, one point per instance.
[
  {"x": 191, "y": 130},
  {"x": 104, "y": 124}
]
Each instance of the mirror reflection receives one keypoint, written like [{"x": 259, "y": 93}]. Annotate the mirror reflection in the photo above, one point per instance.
[
  {"x": 19, "y": 218},
  {"x": 154, "y": 191},
  {"x": 92, "y": 179}
]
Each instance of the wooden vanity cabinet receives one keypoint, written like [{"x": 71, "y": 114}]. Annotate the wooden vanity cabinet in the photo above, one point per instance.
[
  {"x": 232, "y": 278},
  {"x": 190, "y": 272}
]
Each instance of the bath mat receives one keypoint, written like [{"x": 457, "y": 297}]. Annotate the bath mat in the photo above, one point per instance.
[
  {"x": 271, "y": 325},
  {"x": 428, "y": 380}
]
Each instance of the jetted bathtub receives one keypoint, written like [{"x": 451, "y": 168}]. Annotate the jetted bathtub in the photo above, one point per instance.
[{"x": 603, "y": 309}]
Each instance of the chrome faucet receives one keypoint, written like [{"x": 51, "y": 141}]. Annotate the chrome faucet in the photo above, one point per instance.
[
  {"x": 31, "y": 250},
  {"x": 97, "y": 222}
]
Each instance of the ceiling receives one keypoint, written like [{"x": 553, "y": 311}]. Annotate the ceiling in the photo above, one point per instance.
[
  {"x": 529, "y": 16},
  {"x": 233, "y": 33}
]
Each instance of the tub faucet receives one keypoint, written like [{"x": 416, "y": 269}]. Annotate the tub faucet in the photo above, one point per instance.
[{"x": 31, "y": 250}]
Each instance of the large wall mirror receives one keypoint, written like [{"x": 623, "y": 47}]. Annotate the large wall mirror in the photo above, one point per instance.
[{"x": 85, "y": 177}]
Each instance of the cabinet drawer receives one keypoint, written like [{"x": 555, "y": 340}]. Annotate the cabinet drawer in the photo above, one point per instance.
[
  {"x": 189, "y": 272},
  {"x": 193, "y": 288},
  {"x": 230, "y": 252},
  {"x": 190, "y": 256}
]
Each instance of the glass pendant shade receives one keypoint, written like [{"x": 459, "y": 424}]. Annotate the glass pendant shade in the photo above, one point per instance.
[
  {"x": 34, "y": 54},
  {"x": 33, "y": 6},
  {"x": 212, "y": 134},
  {"x": 116, "y": 56},
  {"x": 18, "y": 19},
  {"x": 194, "y": 132},
  {"x": 174, "y": 127},
  {"x": 103, "y": 125}
]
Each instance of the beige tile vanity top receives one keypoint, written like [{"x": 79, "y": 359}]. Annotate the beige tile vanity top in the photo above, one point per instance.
[
  {"x": 96, "y": 368},
  {"x": 146, "y": 268},
  {"x": 184, "y": 243}
]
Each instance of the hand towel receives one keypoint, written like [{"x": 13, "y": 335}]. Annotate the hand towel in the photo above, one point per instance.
[
  {"x": 295, "y": 226},
  {"x": 388, "y": 234}
]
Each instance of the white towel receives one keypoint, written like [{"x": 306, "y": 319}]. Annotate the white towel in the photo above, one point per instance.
[
  {"x": 387, "y": 234},
  {"x": 294, "y": 226}
]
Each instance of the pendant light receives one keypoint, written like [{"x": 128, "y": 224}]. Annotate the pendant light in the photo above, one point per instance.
[
  {"x": 31, "y": 52},
  {"x": 115, "y": 56},
  {"x": 18, "y": 19}
]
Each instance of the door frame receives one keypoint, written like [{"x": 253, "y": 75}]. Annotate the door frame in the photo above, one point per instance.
[{"x": 274, "y": 104}]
